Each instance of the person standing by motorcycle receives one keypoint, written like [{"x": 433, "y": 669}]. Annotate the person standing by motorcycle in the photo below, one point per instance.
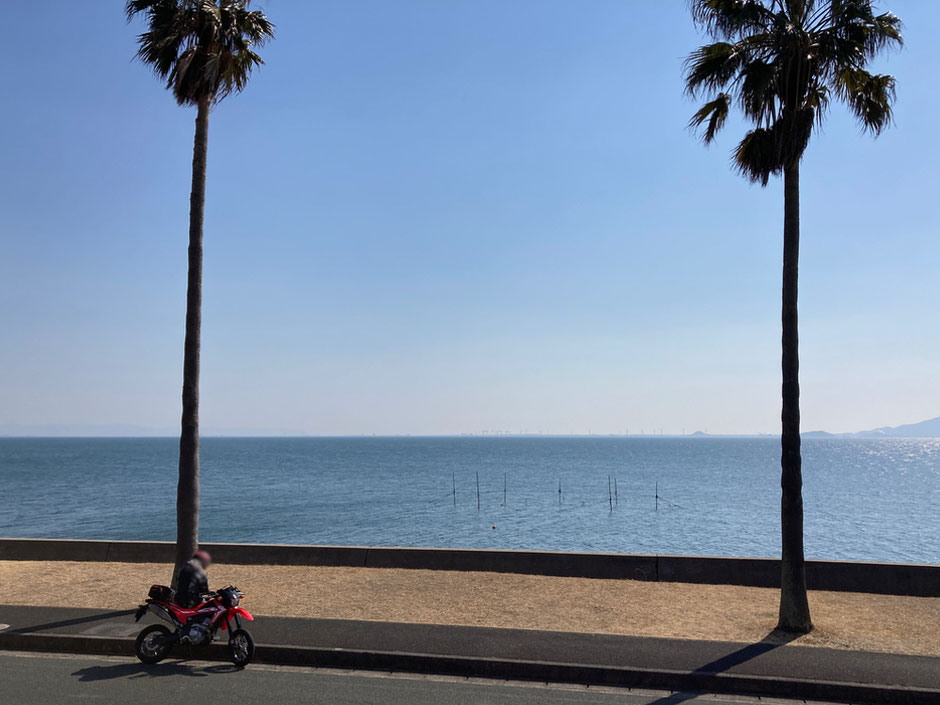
[{"x": 193, "y": 580}]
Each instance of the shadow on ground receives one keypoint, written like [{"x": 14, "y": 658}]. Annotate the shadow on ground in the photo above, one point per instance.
[
  {"x": 729, "y": 661},
  {"x": 72, "y": 622},
  {"x": 139, "y": 670}
]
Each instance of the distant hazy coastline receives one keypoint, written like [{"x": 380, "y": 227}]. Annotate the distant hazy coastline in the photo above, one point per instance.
[{"x": 923, "y": 429}]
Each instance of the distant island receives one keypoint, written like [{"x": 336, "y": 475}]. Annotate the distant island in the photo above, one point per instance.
[{"x": 923, "y": 429}]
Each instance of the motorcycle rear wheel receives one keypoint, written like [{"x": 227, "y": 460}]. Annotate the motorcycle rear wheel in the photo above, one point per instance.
[
  {"x": 243, "y": 647},
  {"x": 153, "y": 644}
]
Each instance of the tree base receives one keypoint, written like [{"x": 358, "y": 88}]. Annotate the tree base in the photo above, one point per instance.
[{"x": 794, "y": 626}]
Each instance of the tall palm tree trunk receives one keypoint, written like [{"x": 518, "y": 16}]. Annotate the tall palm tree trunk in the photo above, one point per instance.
[
  {"x": 794, "y": 606},
  {"x": 187, "y": 491}
]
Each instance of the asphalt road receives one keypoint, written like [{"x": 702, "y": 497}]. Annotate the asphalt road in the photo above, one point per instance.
[
  {"x": 684, "y": 655},
  {"x": 41, "y": 679}
]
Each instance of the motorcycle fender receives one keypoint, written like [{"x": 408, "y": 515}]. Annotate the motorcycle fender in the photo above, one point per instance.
[
  {"x": 232, "y": 613},
  {"x": 242, "y": 612}
]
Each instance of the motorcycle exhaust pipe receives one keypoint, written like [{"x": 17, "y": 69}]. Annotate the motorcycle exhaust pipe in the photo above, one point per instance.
[{"x": 165, "y": 614}]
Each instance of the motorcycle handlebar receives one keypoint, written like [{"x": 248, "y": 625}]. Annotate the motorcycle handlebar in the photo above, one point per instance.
[{"x": 216, "y": 594}]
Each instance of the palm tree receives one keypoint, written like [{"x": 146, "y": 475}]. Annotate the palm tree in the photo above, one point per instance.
[
  {"x": 203, "y": 49},
  {"x": 780, "y": 62}
]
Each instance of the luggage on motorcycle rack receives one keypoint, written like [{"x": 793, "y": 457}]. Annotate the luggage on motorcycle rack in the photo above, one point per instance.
[{"x": 162, "y": 592}]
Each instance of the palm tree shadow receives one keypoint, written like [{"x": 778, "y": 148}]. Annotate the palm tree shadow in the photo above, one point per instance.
[
  {"x": 770, "y": 642},
  {"x": 675, "y": 698},
  {"x": 91, "y": 674},
  {"x": 71, "y": 622}
]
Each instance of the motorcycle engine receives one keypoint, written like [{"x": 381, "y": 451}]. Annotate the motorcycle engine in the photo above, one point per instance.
[{"x": 195, "y": 634}]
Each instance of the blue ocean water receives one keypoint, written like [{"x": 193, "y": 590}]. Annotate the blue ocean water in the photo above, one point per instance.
[{"x": 865, "y": 499}]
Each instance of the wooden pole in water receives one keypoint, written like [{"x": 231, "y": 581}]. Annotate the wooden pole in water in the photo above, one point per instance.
[
  {"x": 454, "y": 478},
  {"x": 505, "y": 483},
  {"x": 616, "y": 494},
  {"x": 657, "y": 496},
  {"x": 559, "y": 490},
  {"x": 610, "y": 494},
  {"x": 478, "y": 490}
]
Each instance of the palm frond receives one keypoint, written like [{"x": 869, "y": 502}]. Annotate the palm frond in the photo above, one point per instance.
[
  {"x": 885, "y": 31},
  {"x": 757, "y": 156},
  {"x": 715, "y": 112},
  {"x": 758, "y": 91},
  {"x": 766, "y": 151},
  {"x": 869, "y": 96},
  {"x": 728, "y": 19},
  {"x": 713, "y": 66},
  {"x": 817, "y": 100}
]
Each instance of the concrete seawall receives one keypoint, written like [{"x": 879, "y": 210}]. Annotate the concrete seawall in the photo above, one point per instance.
[{"x": 881, "y": 578}]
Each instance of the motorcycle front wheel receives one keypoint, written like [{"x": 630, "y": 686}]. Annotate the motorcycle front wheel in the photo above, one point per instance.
[
  {"x": 243, "y": 647},
  {"x": 153, "y": 643}
]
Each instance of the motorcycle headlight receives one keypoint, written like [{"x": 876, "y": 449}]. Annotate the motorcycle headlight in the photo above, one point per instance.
[{"x": 229, "y": 597}]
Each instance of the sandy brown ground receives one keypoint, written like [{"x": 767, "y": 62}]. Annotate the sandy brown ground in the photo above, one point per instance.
[{"x": 716, "y": 612}]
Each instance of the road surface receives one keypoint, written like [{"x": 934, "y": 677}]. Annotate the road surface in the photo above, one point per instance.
[{"x": 41, "y": 679}]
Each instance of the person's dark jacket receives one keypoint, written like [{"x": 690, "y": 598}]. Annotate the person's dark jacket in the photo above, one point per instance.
[{"x": 193, "y": 583}]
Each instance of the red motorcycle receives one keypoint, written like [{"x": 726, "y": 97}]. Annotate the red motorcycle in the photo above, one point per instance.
[{"x": 197, "y": 626}]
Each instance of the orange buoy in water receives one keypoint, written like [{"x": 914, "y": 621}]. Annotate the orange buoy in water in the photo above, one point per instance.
[{"x": 494, "y": 526}]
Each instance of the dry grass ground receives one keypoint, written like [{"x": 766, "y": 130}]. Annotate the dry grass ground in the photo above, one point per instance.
[{"x": 843, "y": 620}]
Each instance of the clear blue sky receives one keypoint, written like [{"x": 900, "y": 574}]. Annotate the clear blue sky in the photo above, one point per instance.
[{"x": 445, "y": 217}]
